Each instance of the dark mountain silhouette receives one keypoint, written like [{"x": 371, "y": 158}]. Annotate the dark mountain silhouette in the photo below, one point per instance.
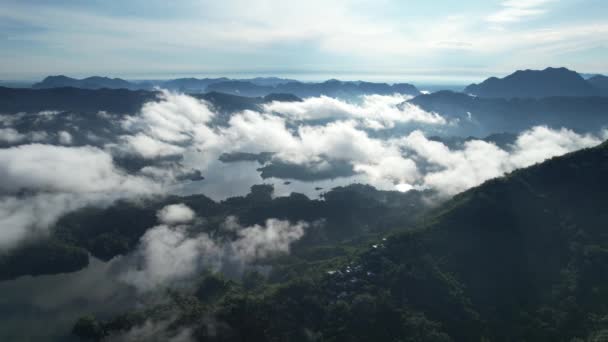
[
  {"x": 73, "y": 99},
  {"x": 482, "y": 116},
  {"x": 252, "y": 87},
  {"x": 243, "y": 88},
  {"x": 336, "y": 88},
  {"x": 13, "y": 100},
  {"x": 94, "y": 82},
  {"x": 534, "y": 84},
  {"x": 198, "y": 85},
  {"x": 268, "y": 81},
  {"x": 227, "y": 103},
  {"x": 588, "y": 76},
  {"x": 190, "y": 85},
  {"x": 332, "y": 88},
  {"x": 282, "y": 98},
  {"x": 15, "y": 84},
  {"x": 600, "y": 82}
]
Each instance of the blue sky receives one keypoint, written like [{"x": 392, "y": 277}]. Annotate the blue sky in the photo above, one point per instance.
[{"x": 366, "y": 39}]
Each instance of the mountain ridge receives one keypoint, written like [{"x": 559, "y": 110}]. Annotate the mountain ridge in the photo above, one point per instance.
[
  {"x": 253, "y": 87},
  {"x": 536, "y": 84}
]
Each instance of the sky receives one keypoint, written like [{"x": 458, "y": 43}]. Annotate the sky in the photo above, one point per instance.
[{"x": 399, "y": 40}]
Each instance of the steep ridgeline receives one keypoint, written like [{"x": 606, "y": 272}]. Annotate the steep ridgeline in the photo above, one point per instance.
[
  {"x": 527, "y": 254},
  {"x": 483, "y": 116},
  {"x": 535, "y": 84},
  {"x": 519, "y": 258}
]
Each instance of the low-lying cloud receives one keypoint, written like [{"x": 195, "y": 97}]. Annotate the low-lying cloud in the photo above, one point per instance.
[
  {"x": 478, "y": 160},
  {"x": 171, "y": 253},
  {"x": 39, "y": 183},
  {"x": 320, "y": 132},
  {"x": 181, "y": 142},
  {"x": 175, "y": 214},
  {"x": 49, "y": 168},
  {"x": 374, "y": 111}
]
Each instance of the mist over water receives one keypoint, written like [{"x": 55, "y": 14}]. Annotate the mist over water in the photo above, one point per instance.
[
  {"x": 224, "y": 180},
  {"x": 44, "y": 308}
]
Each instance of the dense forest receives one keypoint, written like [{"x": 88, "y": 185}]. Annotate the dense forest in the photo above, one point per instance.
[
  {"x": 510, "y": 260},
  {"x": 348, "y": 213}
]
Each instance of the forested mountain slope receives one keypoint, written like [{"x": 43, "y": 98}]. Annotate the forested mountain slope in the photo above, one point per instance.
[{"x": 519, "y": 258}]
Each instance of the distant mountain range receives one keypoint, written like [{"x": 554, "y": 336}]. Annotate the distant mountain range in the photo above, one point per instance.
[
  {"x": 476, "y": 116},
  {"x": 482, "y": 116},
  {"x": 94, "y": 82},
  {"x": 599, "y": 82},
  {"x": 259, "y": 86},
  {"x": 539, "y": 83},
  {"x": 333, "y": 88},
  {"x": 521, "y": 84},
  {"x": 121, "y": 101}
]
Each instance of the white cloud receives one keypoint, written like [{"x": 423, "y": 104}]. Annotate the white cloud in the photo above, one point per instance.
[
  {"x": 49, "y": 168},
  {"x": 172, "y": 118},
  {"x": 201, "y": 143},
  {"x": 65, "y": 138},
  {"x": 8, "y": 120},
  {"x": 540, "y": 143},
  {"x": 337, "y": 140},
  {"x": 170, "y": 254},
  {"x": 38, "y": 136},
  {"x": 10, "y": 135},
  {"x": 23, "y": 217},
  {"x": 175, "y": 214},
  {"x": 479, "y": 161},
  {"x": 460, "y": 169},
  {"x": 413, "y": 160},
  {"x": 39, "y": 183},
  {"x": 396, "y": 169},
  {"x": 153, "y": 330},
  {"x": 257, "y": 132},
  {"x": 147, "y": 147},
  {"x": 376, "y": 111},
  {"x": 258, "y": 242}
]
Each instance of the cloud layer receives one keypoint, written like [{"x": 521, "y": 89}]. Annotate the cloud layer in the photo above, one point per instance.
[
  {"x": 175, "y": 140},
  {"x": 170, "y": 253},
  {"x": 318, "y": 132},
  {"x": 39, "y": 183}
]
